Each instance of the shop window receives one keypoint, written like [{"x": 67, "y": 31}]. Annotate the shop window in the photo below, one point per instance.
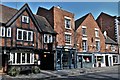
[
  {"x": 28, "y": 57},
  {"x": 18, "y": 57},
  {"x": 23, "y": 57},
  {"x": 100, "y": 59},
  {"x": 87, "y": 59},
  {"x": 115, "y": 59}
]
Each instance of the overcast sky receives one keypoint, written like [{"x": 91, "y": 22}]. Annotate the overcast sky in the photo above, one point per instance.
[{"x": 78, "y": 8}]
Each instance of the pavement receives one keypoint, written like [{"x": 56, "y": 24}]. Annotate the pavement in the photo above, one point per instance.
[{"x": 46, "y": 74}]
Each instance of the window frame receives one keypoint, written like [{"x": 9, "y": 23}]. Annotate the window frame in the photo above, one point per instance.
[
  {"x": 9, "y": 28},
  {"x": 49, "y": 38},
  {"x": 31, "y": 39},
  {"x": 97, "y": 32},
  {"x": 98, "y": 45},
  {"x": 23, "y": 17},
  {"x": 84, "y": 47},
  {"x": 65, "y": 19},
  {"x": 70, "y": 38},
  {"x": 31, "y": 58},
  {"x": 2, "y": 31},
  {"x": 84, "y": 27}
]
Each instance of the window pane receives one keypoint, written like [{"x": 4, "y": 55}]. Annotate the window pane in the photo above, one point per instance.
[
  {"x": 23, "y": 57},
  {"x": 13, "y": 57},
  {"x": 28, "y": 57},
  {"x": 24, "y": 35},
  {"x": 84, "y": 45},
  {"x": 19, "y": 34},
  {"x": 8, "y": 32},
  {"x": 29, "y": 36},
  {"x": 68, "y": 39},
  {"x": 97, "y": 45},
  {"x": 18, "y": 57},
  {"x": 45, "y": 38},
  {"x": 83, "y": 31},
  {"x": 67, "y": 23},
  {"x": 32, "y": 58},
  {"x": 3, "y": 31}
]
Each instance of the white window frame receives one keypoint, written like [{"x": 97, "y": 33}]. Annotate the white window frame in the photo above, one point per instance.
[
  {"x": 31, "y": 39},
  {"x": 84, "y": 27},
  {"x": 2, "y": 32},
  {"x": 26, "y": 18},
  {"x": 84, "y": 46},
  {"x": 31, "y": 58},
  {"x": 49, "y": 38},
  {"x": 10, "y": 32},
  {"x": 66, "y": 33},
  {"x": 96, "y": 32},
  {"x": 65, "y": 22}
]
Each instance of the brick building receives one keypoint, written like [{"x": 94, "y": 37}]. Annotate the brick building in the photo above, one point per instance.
[
  {"x": 90, "y": 41},
  {"x": 24, "y": 38},
  {"x": 63, "y": 23},
  {"x": 109, "y": 26}
]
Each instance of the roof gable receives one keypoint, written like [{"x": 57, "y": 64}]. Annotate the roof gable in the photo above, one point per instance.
[
  {"x": 24, "y": 8},
  {"x": 79, "y": 21}
]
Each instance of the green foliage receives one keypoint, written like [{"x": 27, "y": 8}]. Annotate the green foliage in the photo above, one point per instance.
[
  {"x": 13, "y": 71},
  {"x": 36, "y": 69}
]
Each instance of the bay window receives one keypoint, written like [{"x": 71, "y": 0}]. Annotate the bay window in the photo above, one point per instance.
[{"x": 21, "y": 58}]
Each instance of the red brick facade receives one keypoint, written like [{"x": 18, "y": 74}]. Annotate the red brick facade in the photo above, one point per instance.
[
  {"x": 90, "y": 25},
  {"x": 56, "y": 18}
]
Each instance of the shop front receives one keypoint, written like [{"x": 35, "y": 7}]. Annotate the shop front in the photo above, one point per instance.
[
  {"x": 85, "y": 60},
  {"x": 65, "y": 58}
]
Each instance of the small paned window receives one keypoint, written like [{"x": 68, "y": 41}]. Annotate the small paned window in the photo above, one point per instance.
[
  {"x": 67, "y": 23},
  {"x": 25, "y": 19},
  {"x": 9, "y": 32},
  {"x": 2, "y": 31}
]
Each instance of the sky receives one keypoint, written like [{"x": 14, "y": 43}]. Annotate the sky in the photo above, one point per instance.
[{"x": 78, "y": 8}]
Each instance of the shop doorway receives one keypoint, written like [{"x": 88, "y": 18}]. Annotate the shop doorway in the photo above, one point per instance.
[{"x": 47, "y": 61}]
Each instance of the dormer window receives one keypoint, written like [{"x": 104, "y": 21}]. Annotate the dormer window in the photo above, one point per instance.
[
  {"x": 2, "y": 31},
  {"x": 48, "y": 38},
  {"x": 25, "y": 19},
  {"x": 67, "y": 23}
]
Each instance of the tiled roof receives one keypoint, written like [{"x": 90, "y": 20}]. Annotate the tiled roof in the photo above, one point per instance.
[
  {"x": 6, "y": 13},
  {"x": 79, "y": 21},
  {"x": 108, "y": 40},
  {"x": 43, "y": 24}
]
